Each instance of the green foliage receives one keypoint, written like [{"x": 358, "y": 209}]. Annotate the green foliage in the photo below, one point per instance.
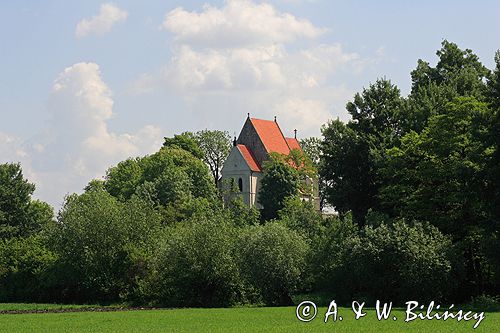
[
  {"x": 20, "y": 216},
  {"x": 273, "y": 260},
  {"x": 123, "y": 179},
  {"x": 312, "y": 148},
  {"x": 103, "y": 245},
  {"x": 241, "y": 214},
  {"x": 279, "y": 181},
  {"x": 24, "y": 263},
  {"x": 170, "y": 178},
  {"x": 216, "y": 146},
  {"x": 186, "y": 141},
  {"x": 459, "y": 70},
  {"x": 493, "y": 170},
  {"x": 396, "y": 263},
  {"x": 437, "y": 175},
  {"x": 196, "y": 265},
  {"x": 378, "y": 112},
  {"x": 485, "y": 303},
  {"x": 348, "y": 168},
  {"x": 400, "y": 262},
  {"x": 433, "y": 156},
  {"x": 328, "y": 266},
  {"x": 301, "y": 216}
]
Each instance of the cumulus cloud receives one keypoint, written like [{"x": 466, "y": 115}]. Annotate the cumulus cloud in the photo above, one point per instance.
[
  {"x": 249, "y": 57},
  {"x": 77, "y": 145},
  {"x": 109, "y": 15},
  {"x": 238, "y": 22}
]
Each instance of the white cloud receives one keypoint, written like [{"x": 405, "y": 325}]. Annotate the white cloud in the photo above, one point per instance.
[
  {"x": 237, "y": 23},
  {"x": 302, "y": 114},
  {"x": 249, "y": 57},
  {"x": 109, "y": 15},
  {"x": 77, "y": 146},
  {"x": 237, "y": 68},
  {"x": 244, "y": 56}
]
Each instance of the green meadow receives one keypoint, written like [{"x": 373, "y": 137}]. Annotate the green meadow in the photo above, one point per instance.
[{"x": 278, "y": 319}]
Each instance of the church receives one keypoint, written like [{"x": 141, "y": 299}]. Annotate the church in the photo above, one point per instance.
[{"x": 242, "y": 169}]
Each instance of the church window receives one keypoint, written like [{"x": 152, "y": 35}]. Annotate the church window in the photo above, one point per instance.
[{"x": 240, "y": 184}]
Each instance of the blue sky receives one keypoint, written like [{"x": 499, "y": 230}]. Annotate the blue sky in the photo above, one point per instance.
[{"x": 86, "y": 84}]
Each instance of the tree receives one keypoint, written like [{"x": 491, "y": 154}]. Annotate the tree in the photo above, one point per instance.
[
  {"x": 312, "y": 148},
  {"x": 273, "y": 260},
  {"x": 398, "y": 262},
  {"x": 438, "y": 175},
  {"x": 494, "y": 139},
  {"x": 216, "y": 146},
  {"x": 279, "y": 181},
  {"x": 457, "y": 73},
  {"x": 19, "y": 214},
  {"x": 123, "y": 179},
  {"x": 457, "y": 69},
  {"x": 186, "y": 141},
  {"x": 378, "y": 111},
  {"x": 197, "y": 265},
  {"x": 348, "y": 169},
  {"x": 103, "y": 245},
  {"x": 441, "y": 175},
  {"x": 25, "y": 264},
  {"x": 301, "y": 216},
  {"x": 169, "y": 178}
]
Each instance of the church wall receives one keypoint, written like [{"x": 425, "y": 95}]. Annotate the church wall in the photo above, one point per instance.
[{"x": 235, "y": 168}]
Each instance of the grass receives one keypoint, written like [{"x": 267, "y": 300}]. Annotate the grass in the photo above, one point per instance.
[{"x": 239, "y": 320}]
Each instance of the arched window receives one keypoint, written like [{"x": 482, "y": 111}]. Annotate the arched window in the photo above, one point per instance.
[{"x": 240, "y": 184}]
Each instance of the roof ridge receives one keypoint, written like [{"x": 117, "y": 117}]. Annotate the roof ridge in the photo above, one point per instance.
[
  {"x": 262, "y": 127},
  {"x": 284, "y": 137}
]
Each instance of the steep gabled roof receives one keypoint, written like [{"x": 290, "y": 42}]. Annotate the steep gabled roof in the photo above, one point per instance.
[
  {"x": 249, "y": 158},
  {"x": 271, "y": 136},
  {"x": 293, "y": 143}
]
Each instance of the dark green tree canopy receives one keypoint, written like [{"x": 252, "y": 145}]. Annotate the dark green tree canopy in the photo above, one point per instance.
[
  {"x": 20, "y": 215},
  {"x": 348, "y": 169},
  {"x": 279, "y": 181},
  {"x": 186, "y": 141},
  {"x": 378, "y": 111}
]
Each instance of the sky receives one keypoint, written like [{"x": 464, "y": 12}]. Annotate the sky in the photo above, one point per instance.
[{"x": 86, "y": 84}]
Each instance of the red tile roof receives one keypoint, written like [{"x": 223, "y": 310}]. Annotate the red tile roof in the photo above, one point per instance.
[
  {"x": 248, "y": 156},
  {"x": 293, "y": 143},
  {"x": 271, "y": 136}
]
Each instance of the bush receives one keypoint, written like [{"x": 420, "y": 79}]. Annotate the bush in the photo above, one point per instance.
[
  {"x": 400, "y": 262},
  {"x": 197, "y": 265},
  {"x": 24, "y": 263},
  {"x": 328, "y": 264},
  {"x": 301, "y": 216},
  {"x": 103, "y": 246},
  {"x": 485, "y": 303},
  {"x": 273, "y": 260}
]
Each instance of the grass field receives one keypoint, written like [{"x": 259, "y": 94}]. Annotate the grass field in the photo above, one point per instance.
[{"x": 239, "y": 320}]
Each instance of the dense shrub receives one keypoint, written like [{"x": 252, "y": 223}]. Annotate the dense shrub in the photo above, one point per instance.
[
  {"x": 395, "y": 262},
  {"x": 400, "y": 262},
  {"x": 196, "y": 265},
  {"x": 328, "y": 266},
  {"x": 24, "y": 263},
  {"x": 103, "y": 245},
  {"x": 301, "y": 216},
  {"x": 273, "y": 259}
]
